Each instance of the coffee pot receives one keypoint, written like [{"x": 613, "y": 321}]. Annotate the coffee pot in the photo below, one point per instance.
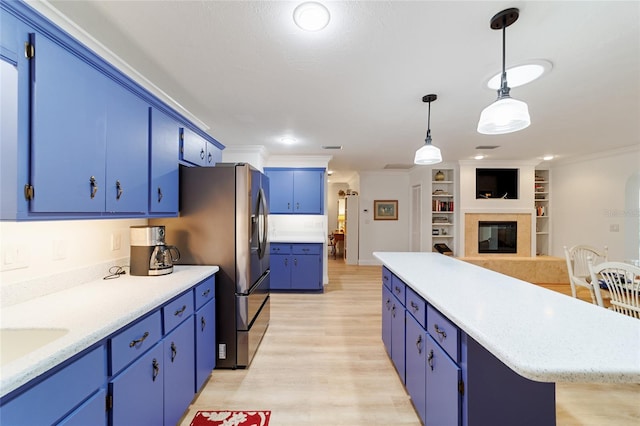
[{"x": 150, "y": 255}]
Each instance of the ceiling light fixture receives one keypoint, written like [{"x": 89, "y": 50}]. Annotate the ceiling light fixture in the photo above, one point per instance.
[
  {"x": 311, "y": 16},
  {"x": 478, "y": 157},
  {"x": 428, "y": 154},
  {"x": 506, "y": 114},
  {"x": 547, "y": 157},
  {"x": 287, "y": 140}
]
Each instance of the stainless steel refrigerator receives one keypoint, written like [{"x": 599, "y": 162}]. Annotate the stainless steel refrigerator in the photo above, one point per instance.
[{"x": 223, "y": 221}]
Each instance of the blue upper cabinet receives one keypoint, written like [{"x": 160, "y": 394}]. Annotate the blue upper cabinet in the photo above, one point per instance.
[
  {"x": 69, "y": 121},
  {"x": 127, "y": 170},
  {"x": 165, "y": 134},
  {"x": 79, "y": 138},
  {"x": 193, "y": 147},
  {"x": 296, "y": 191}
]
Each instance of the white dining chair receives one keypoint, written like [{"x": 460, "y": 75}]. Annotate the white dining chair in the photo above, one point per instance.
[
  {"x": 578, "y": 268},
  {"x": 622, "y": 281}
]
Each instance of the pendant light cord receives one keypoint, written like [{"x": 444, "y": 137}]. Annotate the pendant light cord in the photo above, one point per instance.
[
  {"x": 503, "y": 92},
  {"x": 428, "y": 139}
]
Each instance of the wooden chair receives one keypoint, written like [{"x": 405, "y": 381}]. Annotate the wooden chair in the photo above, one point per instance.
[
  {"x": 578, "y": 267},
  {"x": 332, "y": 246},
  {"x": 623, "y": 283}
]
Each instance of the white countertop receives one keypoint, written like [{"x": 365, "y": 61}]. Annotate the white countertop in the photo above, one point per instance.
[
  {"x": 540, "y": 334},
  {"x": 90, "y": 312},
  {"x": 311, "y": 238}
]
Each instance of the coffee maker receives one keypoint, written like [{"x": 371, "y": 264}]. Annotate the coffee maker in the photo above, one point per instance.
[{"x": 150, "y": 255}]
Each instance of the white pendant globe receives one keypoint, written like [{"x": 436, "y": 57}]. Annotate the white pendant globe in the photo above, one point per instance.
[
  {"x": 428, "y": 154},
  {"x": 505, "y": 115}
]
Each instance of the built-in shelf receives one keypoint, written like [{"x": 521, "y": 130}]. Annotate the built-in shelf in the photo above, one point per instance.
[
  {"x": 443, "y": 207},
  {"x": 542, "y": 202}
]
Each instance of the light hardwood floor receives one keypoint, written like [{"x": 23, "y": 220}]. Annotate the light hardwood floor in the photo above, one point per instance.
[{"x": 322, "y": 362}]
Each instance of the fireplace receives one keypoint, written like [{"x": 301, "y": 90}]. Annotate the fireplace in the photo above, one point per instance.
[
  {"x": 497, "y": 236},
  {"x": 472, "y": 237}
]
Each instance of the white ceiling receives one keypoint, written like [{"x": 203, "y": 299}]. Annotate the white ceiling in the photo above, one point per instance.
[{"x": 246, "y": 71}]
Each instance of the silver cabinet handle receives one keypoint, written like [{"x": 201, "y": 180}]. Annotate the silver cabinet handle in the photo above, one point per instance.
[
  {"x": 140, "y": 340},
  {"x": 415, "y": 307},
  {"x": 156, "y": 369},
  {"x": 159, "y": 194},
  {"x": 174, "y": 351},
  {"x": 440, "y": 331},
  {"x": 94, "y": 186},
  {"x": 202, "y": 154},
  {"x": 430, "y": 359},
  {"x": 180, "y": 311},
  {"x": 419, "y": 343},
  {"x": 119, "y": 190}
]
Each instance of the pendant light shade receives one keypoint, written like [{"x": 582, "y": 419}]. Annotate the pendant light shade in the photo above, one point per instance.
[
  {"x": 428, "y": 153},
  {"x": 506, "y": 114}
]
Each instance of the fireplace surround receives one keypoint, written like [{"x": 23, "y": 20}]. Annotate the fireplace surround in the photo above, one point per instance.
[{"x": 471, "y": 235}]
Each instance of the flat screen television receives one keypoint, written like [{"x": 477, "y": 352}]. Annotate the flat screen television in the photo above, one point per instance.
[{"x": 497, "y": 183}]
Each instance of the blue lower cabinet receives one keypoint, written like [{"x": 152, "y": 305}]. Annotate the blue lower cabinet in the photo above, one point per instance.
[
  {"x": 59, "y": 394},
  {"x": 397, "y": 337},
  {"x": 179, "y": 367},
  {"x": 138, "y": 391},
  {"x": 205, "y": 327},
  {"x": 443, "y": 397},
  {"x": 90, "y": 413},
  {"x": 416, "y": 344},
  {"x": 296, "y": 266},
  {"x": 386, "y": 319}
]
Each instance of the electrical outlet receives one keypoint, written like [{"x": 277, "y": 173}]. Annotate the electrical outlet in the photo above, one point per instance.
[
  {"x": 14, "y": 256},
  {"x": 614, "y": 227},
  {"x": 59, "y": 250},
  {"x": 116, "y": 241}
]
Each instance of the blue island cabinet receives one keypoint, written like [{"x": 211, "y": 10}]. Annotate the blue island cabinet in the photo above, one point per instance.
[
  {"x": 296, "y": 191},
  {"x": 296, "y": 266},
  {"x": 451, "y": 378}
]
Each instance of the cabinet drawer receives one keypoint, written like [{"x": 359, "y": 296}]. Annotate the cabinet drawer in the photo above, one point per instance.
[
  {"x": 177, "y": 310},
  {"x": 134, "y": 340},
  {"x": 204, "y": 292},
  {"x": 386, "y": 277},
  {"x": 416, "y": 306},
  {"x": 398, "y": 288},
  {"x": 50, "y": 399},
  {"x": 444, "y": 332},
  {"x": 277, "y": 248},
  {"x": 307, "y": 249}
]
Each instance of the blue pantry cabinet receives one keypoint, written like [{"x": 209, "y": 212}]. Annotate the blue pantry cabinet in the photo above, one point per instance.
[
  {"x": 296, "y": 266},
  {"x": 296, "y": 191},
  {"x": 82, "y": 139}
]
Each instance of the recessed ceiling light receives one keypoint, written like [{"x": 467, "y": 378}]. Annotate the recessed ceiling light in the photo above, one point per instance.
[
  {"x": 288, "y": 140},
  {"x": 547, "y": 157},
  {"x": 311, "y": 16},
  {"x": 522, "y": 74},
  {"x": 478, "y": 157}
]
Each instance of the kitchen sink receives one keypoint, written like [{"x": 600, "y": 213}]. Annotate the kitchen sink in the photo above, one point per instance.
[{"x": 18, "y": 342}]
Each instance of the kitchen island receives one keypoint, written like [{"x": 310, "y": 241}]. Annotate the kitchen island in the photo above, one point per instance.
[{"x": 515, "y": 339}]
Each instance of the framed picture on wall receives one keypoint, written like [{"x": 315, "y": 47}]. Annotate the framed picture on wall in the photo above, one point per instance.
[{"x": 385, "y": 210}]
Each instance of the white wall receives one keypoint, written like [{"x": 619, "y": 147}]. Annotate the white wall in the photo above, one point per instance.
[
  {"x": 588, "y": 203},
  {"x": 34, "y": 245},
  {"x": 383, "y": 235}
]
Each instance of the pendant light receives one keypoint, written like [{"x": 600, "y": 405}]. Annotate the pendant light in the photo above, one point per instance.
[
  {"x": 428, "y": 154},
  {"x": 506, "y": 114}
]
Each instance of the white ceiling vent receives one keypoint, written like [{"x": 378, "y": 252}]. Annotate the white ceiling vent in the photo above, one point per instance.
[
  {"x": 487, "y": 146},
  {"x": 398, "y": 166},
  {"x": 331, "y": 146}
]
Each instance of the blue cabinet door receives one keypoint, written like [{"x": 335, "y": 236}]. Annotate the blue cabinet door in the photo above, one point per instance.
[
  {"x": 179, "y": 377},
  {"x": 280, "y": 271},
  {"x": 205, "y": 326},
  {"x": 194, "y": 147},
  {"x": 397, "y": 337},
  {"x": 387, "y": 297},
  {"x": 443, "y": 397},
  {"x": 91, "y": 412},
  {"x": 308, "y": 191},
  {"x": 307, "y": 272},
  {"x": 68, "y": 132},
  {"x": 214, "y": 155},
  {"x": 163, "y": 192},
  {"x": 138, "y": 391},
  {"x": 281, "y": 191},
  {"x": 415, "y": 347},
  {"x": 127, "y": 167}
]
